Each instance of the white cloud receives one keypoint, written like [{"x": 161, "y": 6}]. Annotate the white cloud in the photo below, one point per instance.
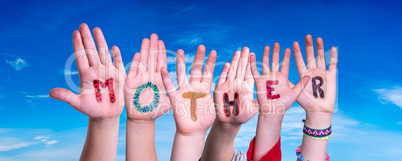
[
  {"x": 49, "y": 143},
  {"x": 390, "y": 95},
  {"x": 37, "y": 96},
  {"x": 18, "y": 63},
  {"x": 44, "y": 140},
  {"x": 229, "y": 50},
  {"x": 191, "y": 39},
  {"x": 13, "y": 146},
  {"x": 188, "y": 58},
  {"x": 10, "y": 142},
  {"x": 41, "y": 137},
  {"x": 15, "y": 61},
  {"x": 171, "y": 60},
  {"x": 70, "y": 72}
]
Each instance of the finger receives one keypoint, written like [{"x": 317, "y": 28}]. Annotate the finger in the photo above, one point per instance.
[
  {"x": 286, "y": 62},
  {"x": 241, "y": 67},
  {"x": 301, "y": 67},
  {"x": 79, "y": 52},
  {"x": 247, "y": 76},
  {"x": 144, "y": 54},
  {"x": 180, "y": 68},
  {"x": 153, "y": 50},
  {"x": 275, "y": 58},
  {"x": 104, "y": 55},
  {"x": 320, "y": 53},
  {"x": 65, "y": 96},
  {"x": 224, "y": 74},
  {"x": 265, "y": 61},
  {"x": 170, "y": 88},
  {"x": 89, "y": 45},
  {"x": 254, "y": 69},
  {"x": 300, "y": 85},
  {"x": 290, "y": 84},
  {"x": 334, "y": 60},
  {"x": 233, "y": 66},
  {"x": 208, "y": 73},
  {"x": 162, "y": 58},
  {"x": 196, "y": 69},
  {"x": 117, "y": 60},
  {"x": 134, "y": 65},
  {"x": 310, "y": 53}
]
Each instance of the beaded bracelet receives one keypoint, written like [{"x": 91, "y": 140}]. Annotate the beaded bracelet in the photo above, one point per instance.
[
  {"x": 317, "y": 133},
  {"x": 301, "y": 158},
  {"x": 313, "y": 137}
]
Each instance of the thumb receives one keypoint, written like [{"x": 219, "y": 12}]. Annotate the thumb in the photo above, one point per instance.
[
  {"x": 300, "y": 86},
  {"x": 253, "y": 67},
  {"x": 167, "y": 82},
  {"x": 255, "y": 106},
  {"x": 65, "y": 96}
]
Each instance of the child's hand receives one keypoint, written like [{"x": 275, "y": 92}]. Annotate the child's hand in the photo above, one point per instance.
[
  {"x": 193, "y": 107},
  {"x": 145, "y": 95},
  {"x": 101, "y": 93},
  {"x": 318, "y": 97},
  {"x": 322, "y": 99},
  {"x": 275, "y": 93},
  {"x": 233, "y": 94},
  {"x": 234, "y": 103},
  {"x": 95, "y": 65}
]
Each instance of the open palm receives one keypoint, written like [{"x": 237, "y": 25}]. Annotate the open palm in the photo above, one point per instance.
[
  {"x": 93, "y": 65},
  {"x": 315, "y": 100},
  {"x": 147, "y": 103},
  {"x": 275, "y": 93},
  {"x": 186, "y": 121},
  {"x": 234, "y": 82}
]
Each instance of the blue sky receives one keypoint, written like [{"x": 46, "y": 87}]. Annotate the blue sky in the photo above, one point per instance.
[{"x": 35, "y": 44}]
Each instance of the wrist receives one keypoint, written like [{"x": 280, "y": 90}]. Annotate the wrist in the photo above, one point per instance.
[
  {"x": 224, "y": 126},
  {"x": 194, "y": 135},
  {"x": 105, "y": 121},
  {"x": 229, "y": 131},
  {"x": 318, "y": 120},
  {"x": 190, "y": 139},
  {"x": 140, "y": 122},
  {"x": 188, "y": 146},
  {"x": 271, "y": 118}
]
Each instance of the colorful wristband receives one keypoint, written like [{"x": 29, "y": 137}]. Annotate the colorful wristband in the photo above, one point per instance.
[
  {"x": 326, "y": 137},
  {"x": 298, "y": 154},
  {"x": 317, "y": 133}
]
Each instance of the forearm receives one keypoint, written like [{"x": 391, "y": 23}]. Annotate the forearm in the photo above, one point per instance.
[
  {"x": 140, "y": 140},
  {"x": 220, "y": 142},
  {"x": 316, "y": 149},
  {"x": 101, "y": 141},
  {"x": 187, "y": 146},
  {"x": 268, "y": 133}
]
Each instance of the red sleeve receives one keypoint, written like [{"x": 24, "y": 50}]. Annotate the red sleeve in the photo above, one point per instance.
[{"x": 273, "y": 155}]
